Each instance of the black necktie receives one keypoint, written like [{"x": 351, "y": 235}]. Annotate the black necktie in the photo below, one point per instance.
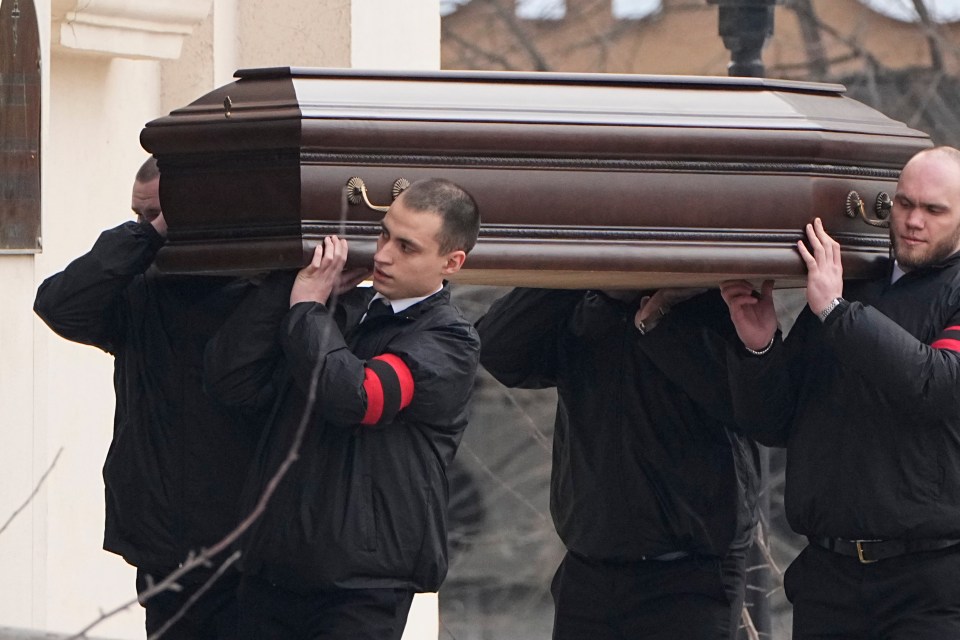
[{"x": 378, "y": 307}]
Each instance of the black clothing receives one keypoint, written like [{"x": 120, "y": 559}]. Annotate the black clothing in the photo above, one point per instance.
[
  {"x": 645, "y": 459},
  {"x": 867, "y": 406},
  {"x": 910, "y": 597},
  {"x": 365, "y": 505},
  {"x": 213, "y": 615},
  {"x": 872, "y": 550},
  {"x": 691, "y": 598},
  {"x": 270, "y": 612},
  {"x": 176, "y": 463}
]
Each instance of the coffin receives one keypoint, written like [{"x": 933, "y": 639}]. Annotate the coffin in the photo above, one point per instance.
[{"x": 582, "y": 180}]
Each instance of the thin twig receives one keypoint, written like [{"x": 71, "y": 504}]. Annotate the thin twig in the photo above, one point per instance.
[
  {"x": 447, "y": 629},
  {"x": 752, "y": 632},
  {"x": 539, "y": 436},
  {"x": 930, "y": 31},
  {"x": 33, "y": 494},
  {"x": 205, "y": 557},
  {"x": 764, "y": 547},
  {"x": 196, "y": 596},
  {"x": 503, "y": 484}
]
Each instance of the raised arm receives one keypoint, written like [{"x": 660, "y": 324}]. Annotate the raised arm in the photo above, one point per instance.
[
  {"x": 762, "y": 384},
  {"x": 519, "y": 336},
  {"x": 689, "y": 345},
  {"x": 83, "y": 303},
  {"x": 426, "y": 374}
]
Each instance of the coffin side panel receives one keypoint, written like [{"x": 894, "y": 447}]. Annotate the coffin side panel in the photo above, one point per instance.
[
  {"x": 581, "y": 180},
  {"x": 230, "y": 179}
]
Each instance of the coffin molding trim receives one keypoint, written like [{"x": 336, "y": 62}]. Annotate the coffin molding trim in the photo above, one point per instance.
[
  {"x": 658, "y": 166},
  {"x": 316, "y": 231},
  {"x": 215, "y": 161}
]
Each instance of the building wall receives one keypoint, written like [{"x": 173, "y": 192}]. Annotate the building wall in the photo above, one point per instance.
[
  {"x": 108, "y": 68},
  {"x": 97, "y": 107}
]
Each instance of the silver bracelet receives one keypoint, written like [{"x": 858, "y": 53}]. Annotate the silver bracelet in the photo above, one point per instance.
[{"x": 764, "y": 350}]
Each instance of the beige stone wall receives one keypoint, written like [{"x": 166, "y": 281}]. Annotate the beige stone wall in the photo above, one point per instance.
[
  {"x": 96, "y": 109},
  {"x": 108, "y": 67}
]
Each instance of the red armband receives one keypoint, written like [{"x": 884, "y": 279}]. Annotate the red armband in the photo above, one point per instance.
[
  {"x": 949, "y": 339},
  {"x": 389, "y": 386}
]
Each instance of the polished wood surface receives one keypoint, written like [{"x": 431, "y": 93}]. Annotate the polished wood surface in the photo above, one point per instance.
[{"x": 582, "y": 180}]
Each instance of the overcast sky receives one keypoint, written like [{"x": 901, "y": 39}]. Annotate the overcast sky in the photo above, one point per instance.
[{"x": 943, "y": 10}]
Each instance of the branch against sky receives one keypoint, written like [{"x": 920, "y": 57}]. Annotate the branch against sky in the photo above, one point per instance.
[
  {"x": 933, "y": 41},
  {"x": 33, "y": 494}
]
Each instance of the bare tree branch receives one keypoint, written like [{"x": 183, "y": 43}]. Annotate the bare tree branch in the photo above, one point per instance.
[
  {"x": 196, "y": 596},
  {"x": 539, "y": 436},
  {"x": 504, "y": 485},
  {"x": 493, "y": 59},
  {"x": 206, "y": 556},
  {"x": 526, "y": 42},
  {"x": 752, "y": 633},
  {"x": 761, "y": 541},
  {"x": 933, "y": 41},
  {"x": 33, "y": 494},
  {"x": 812, "y": 40}
]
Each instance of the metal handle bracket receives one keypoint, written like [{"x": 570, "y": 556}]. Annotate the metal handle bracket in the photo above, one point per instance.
[{"x": 357, "y": 192}]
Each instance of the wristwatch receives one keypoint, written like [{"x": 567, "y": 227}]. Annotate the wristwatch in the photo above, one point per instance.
[{"x": 829, "y": 308}]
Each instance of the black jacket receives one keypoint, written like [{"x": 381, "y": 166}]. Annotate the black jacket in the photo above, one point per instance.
[
  {"x": 645, "y": 460},
  {"x": 868, "y": 407},
  {"x": 365, "y": 505},
  {"x": 175, "y": 465}
]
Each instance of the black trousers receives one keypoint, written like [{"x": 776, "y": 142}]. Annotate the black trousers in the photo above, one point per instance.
[
  {"x": 914, "y": 596},
  {"x": 270, "y": 612},
  {"x": 212, "y": 617},
  {"x": 690, "y": 598}
]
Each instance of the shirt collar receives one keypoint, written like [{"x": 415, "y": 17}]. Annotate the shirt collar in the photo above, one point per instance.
[
  {"x": 404, "y": 303},
  {"x": 897, "y": 272}
]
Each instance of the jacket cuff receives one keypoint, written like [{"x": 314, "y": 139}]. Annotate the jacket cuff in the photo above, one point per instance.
[{"x": 152, "y": 236}]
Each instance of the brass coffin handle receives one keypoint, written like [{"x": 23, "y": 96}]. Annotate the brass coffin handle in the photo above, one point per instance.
[
  {"x": 357, "y": 192},
  {"x": 882, "y": 208}
]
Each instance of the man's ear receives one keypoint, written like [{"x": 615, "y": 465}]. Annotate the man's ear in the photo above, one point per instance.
[{"x": 454, "y": 260}]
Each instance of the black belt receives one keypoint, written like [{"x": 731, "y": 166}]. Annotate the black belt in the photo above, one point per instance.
[{"x": 867, "y": 551}]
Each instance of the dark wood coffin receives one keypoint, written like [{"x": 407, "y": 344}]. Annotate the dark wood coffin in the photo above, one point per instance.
[{"x": 582, "y": 180}]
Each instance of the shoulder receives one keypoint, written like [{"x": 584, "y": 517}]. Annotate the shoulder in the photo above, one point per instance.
[
  {"x": 438, "y": 325},
  {"x": 447, "y": 316}
]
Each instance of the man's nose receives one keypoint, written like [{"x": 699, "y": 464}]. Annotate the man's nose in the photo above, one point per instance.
[
  {"x": 915, "y": 218},
  {"x": 382, "y": 255}
]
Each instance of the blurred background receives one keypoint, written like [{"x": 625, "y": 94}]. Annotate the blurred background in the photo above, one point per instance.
[{"x": 898, "y": 56}]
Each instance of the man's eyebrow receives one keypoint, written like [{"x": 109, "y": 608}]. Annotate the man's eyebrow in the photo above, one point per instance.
[
  {"x": 408, "y": 241},
  {"x": 411, "y": 242}
]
